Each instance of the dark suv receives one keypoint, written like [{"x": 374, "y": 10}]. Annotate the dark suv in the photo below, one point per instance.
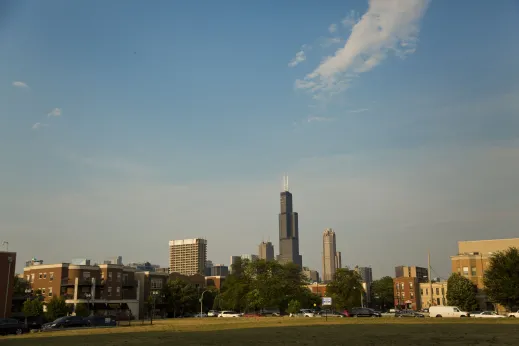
[
  {"x": 65, "y": 322},
  {"x": 11, "y": 326},
  {"x": 364, "y": 312}
]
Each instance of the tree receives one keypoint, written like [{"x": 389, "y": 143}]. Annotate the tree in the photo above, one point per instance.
[
  {"x": 180, "y": 297},
  {"x": 19, "y": 286},
  {"x": 345, "y": 289},
  {"x": 57, "y": 308},
  {"x": 461, "y": 292},
  {"x": 382, "y": 292},
  {"x": 82, "y": 310},
  {"x": 502, "y": 278},
  {"x": 32, "y": 307},
  {"x": 293, "y": 307}
]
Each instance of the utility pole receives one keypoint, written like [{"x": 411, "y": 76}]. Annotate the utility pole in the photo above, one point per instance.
[{"x": 429, "y": 276}]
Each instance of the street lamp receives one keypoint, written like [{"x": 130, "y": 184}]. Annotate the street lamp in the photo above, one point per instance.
[
  {"x": 27, "y": 292},
  {"x": 154, "y": 294},
  {"x": 201, "y": 305},
  {"x": 88, "y": 296}
]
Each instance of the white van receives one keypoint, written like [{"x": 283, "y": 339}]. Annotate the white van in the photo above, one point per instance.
[{"x": 446, "y": 311}]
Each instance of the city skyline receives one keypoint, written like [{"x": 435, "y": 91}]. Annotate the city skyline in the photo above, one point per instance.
[{"x": 119, "y": 132}]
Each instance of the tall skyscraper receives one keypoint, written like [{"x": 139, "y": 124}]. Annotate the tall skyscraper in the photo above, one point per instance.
[
  {"x": 331, "y": 258},
  {"x": 266, "y": 251},
  {"x": 367, "y": 279},
  {"x": 288, "y": 230},
  {"x": 187, "y": 256}
]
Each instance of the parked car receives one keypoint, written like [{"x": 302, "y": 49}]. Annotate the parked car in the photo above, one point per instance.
[
  {"x": 213, "y": 313},
  {"x": 201, "y": 314},
  {"x": 65, "y": 322},
  {"x": 329, "y": 313},
  {"x": 100, "y": 321},
  {"x": 306, "y": 313},
  {"x": 270, "y": 313},
  {"x": 229, "y": 314},
  {"x": 487, "y": 314},
  {"x": 12, "y": 326},
  {"x": 408, "y": 313},
  {"x": 364, "y": 312},
  {"x": 447, "y": 311},
  {"x": 514, "y": 314}
]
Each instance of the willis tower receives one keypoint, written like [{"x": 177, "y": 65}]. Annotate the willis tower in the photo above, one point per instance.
[{"x": 288, "y": 230}]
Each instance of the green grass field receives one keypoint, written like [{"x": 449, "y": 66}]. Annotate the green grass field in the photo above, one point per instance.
[{"x": 286, "y": 331}]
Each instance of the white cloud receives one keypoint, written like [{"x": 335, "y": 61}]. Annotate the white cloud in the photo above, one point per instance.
[
  {"x": 299, "y": 58},
  {"x": 19, "y": 84},
  {"x": 56, "y": 112},
  {"x": 332, "y": 28},
  {"x": 37, "y": 126},
  {"x": 311, "y": 119},
  {"x": 387, "y": 26},
  {"x": 361, "y": 110},
  {"x": 350, "y": 20}
]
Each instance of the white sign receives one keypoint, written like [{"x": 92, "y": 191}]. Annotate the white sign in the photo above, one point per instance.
[{"x": 327, "y": 301}]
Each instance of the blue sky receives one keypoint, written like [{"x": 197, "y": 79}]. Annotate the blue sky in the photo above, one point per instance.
[{"x": 125, "y": 124}]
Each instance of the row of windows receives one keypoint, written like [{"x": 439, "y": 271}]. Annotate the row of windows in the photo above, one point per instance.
[
  {"x": 45, "y": 292},
  {"x": 30, "y": 278},
  {"x": 473, "y": 271},
  {"x": 437, "y": 291}
]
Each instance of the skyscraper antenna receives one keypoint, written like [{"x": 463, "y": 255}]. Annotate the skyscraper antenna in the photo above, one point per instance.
[{"x": 285, "y": 182}]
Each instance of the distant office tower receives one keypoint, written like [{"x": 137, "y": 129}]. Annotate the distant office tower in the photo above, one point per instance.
[
  {"x": 219, "y": 270},
  {"x": 208, "y": 267},
  {"x": 311, "y": 275},
  {"x": 249, "y": 257},
  {"x": 187, "y": 256},
  {"x": 288, "y": 230},
  {"x": 367, "y": 279},
  {"x": 114, "y": 260},
  {"x": 234, "y": 259},
  {"x": 338, "y": 260},
  {"x": 266, "y": 251},
  {"x": 330, "y": 255}
]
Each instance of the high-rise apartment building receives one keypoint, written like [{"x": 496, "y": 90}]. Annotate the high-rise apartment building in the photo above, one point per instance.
[
  {"x": 266, "y": 251},
  {"x": 420, "y": 273},
  {"x": 288, "y": 230},
  {"x": 338, "y": 260},
  {"x": 187, "y": 256},
  {"x": 330, "y": 256}
]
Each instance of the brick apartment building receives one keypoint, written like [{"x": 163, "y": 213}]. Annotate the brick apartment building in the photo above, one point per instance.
[
  {"x": 317, "y": 288},
  {"x": 435, "y": 297},
  {"x": 214, "y": 281},
  {"x": 150, "y": 285},
  {"x": 473, "y": 259},
  {"x": 108, "y": 288},
  {"x": 7, "y": 269},
  {"x": 407, "y": 293}
]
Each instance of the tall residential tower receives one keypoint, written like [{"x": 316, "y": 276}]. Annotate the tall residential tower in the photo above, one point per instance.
[
  {"x": 288, "y": 230},
  {"x": 187, "y": 256}
]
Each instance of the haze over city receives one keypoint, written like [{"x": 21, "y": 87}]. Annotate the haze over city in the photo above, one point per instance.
[{"x": 125, "y": 125}]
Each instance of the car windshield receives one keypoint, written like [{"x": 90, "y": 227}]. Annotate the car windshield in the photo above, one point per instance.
[{"x": 61, "y": 319}]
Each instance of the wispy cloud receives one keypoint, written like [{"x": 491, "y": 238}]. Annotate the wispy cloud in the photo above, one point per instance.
[
  {"x": 18, "y": 84},
  {"x": 387, "y": 26},
  {"x": 56, "y": 112},
  {"x": 299, "y": 58},
  {"x": 312, "y": 119},
  {"x": 351, "y": 19},
  {"x": 37, "y": 126},
  {"x": 361, "y": 110},
  {"x": 332, "y": 28}
]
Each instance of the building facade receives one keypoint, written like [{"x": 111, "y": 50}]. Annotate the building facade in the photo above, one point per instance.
[
  {"x": 7, "y": 273},
  {"x": 151, "y": 284},
  {"x": 214, "y": 281},
  {"x": 437, "y": 296},
  {"x": 407, "y": 294},
  {"x": 219, "y": 270},
  {"x": 366, "y": 275},
  {"x": 473, "y": 259},
  {"x": 329, "y": 255},
  {"x": 338, "y": 260},
  {"x": 108, "y": 288},
  {"x": 318, "y": 288},
  {"x": 187, "y": 256},
  {"x": 311, "y": 275},
  {"x": 420, "y": 273},
  {"x": 266, "y": 251},
  {"x": 288, "y": 230},
  {"x": 143, "y": 266}
]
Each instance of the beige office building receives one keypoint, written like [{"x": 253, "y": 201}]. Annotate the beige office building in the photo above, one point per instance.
[
  {"x": 331, "y": 258},
  {"x": 187, "y": 256},
  {"x": 266, "y": 251},
  {"x": 473, "y": 259}
]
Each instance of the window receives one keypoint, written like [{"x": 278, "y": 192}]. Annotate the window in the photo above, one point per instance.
[
  {"x": 86, "y": 275},
  {"x": 44, "y": 275},
  {"x": 51, "y": 276},
  {"x": 118, "y": 277},
  {"x": 109, "y": 291},
  {"x": 465, "y": 270},
  {"x": 32, "y": 277},
  {"x": 156, "y": 284},
  {"x": 43, "y": 291},
  {"x": 421, "y": 291},
  {"x": 403, "y": 294},
  {"x": 109, "y": 276},
  {"x": 40, "y": 275},
  {"x": 443, "y": 291},
  {"x": 28, "y": 278},
  {"x": 125, "y": 278},
  {"x": 50, "y": 291},
  {"x": 402, "y": 286},
  {"x": 411, "y": 285},
  {"x": 437, "y": 291},
  {"x": 412, "y": 295},
  {"x": 118, "y": 291},
  {"x": 473, "y": 269},
  {"x": 459, "y": 270},
  {"x": 426, "y": 291},
  {"x": 437, "y": 301}
]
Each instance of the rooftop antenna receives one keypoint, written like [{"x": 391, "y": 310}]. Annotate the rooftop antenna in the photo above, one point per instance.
[
  {"x": 285, "y": 182},
  {"x": 6, "y": 243}
]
